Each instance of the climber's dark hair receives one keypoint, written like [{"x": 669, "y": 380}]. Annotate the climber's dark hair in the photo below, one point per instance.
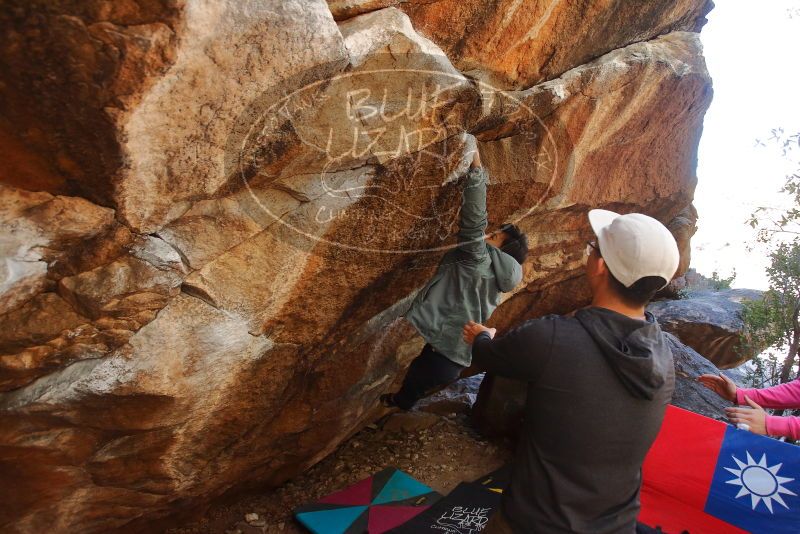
[{"x": 515, "y": 243}]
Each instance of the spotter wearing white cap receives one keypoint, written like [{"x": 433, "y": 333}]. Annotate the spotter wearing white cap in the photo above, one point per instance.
[{"x": 635, "y": 246}]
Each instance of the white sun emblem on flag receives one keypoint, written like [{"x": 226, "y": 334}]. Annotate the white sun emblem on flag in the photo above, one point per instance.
[{"x": 762, "y": 483}]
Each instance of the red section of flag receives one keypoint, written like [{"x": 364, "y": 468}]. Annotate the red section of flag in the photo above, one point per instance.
[
  {"x": 677, "y": 475},
  {"x": 357, "y": 494}
]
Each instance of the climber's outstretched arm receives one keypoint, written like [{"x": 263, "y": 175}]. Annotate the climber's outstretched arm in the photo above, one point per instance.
[
  {"x": 474, "y": 218},
  {"x": 522, "y": 353}
]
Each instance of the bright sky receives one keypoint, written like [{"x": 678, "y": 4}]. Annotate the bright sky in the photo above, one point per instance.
[{"x": 752, "y": 51}]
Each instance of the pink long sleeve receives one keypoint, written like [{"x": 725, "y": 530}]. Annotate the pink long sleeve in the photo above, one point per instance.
[
  {"x": 781, "y": 396},
  {"x": 783, "y": 426}
]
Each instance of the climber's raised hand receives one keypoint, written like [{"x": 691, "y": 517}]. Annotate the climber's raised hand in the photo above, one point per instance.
[
  {"x": 476, "y": 158},
  {"x": 721, "y": 385},
  {"x": 754, "y": 417},
  {"x": 469, "y": 147}
]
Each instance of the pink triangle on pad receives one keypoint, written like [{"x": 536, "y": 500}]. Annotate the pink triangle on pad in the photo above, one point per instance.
[
  {"x": 383, "y": 518},
  {"x": 359, "y": 493}
]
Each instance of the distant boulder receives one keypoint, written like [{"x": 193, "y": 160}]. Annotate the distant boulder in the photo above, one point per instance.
[{"x": 710, "y": 322}]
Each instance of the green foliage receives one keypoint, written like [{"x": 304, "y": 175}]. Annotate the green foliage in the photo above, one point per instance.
[
  {"x": 765, "y": 371},
  {"x": 768, "y": 323},
  {"x": 770, "y": 222},
  {"x": 773, "y": 322},
  {"x": 774, "y": 318},
  {"x": 761, "y": 329},
  {"x": 718, "y": 282}
]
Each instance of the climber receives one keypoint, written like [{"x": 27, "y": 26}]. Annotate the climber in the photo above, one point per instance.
[
  {"x": 467, "y": 285},
  {"x": 598, "y": 385}
]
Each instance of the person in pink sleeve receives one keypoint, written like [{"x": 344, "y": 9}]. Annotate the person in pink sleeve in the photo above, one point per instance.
[{"x": 781, "y": 396}]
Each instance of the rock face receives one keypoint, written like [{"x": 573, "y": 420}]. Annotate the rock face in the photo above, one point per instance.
[
  {"x": 518, "y": 44},
  {"x": 689, "y": 394},
  {"x": 710, "y": 322},
  {"x": 214, "y": 214},
  {"x": 683, "y": 227}
]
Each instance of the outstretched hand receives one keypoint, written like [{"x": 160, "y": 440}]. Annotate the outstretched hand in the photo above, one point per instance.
[
  {"x": 721, "y": 385},
  {"x": 476, "y": 159},
  {"x": 754, "y": 417},
  {"x": 472, "y": 329},
  {"x": 470, "y": 152}
]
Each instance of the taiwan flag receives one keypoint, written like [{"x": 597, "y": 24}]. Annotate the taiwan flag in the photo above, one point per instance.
[{"x": 704, "y": 476}]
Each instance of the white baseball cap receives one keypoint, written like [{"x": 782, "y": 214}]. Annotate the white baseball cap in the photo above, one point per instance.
[{"x": 634, "y": 246}]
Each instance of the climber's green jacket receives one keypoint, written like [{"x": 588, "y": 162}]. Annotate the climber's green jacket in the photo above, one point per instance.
[{"x": 468, "y": 282}]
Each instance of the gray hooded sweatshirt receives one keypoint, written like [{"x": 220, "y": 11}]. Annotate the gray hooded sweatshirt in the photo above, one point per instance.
[
  {"x": 598, "y": 386},
  {"x": 469, "y": 281}
]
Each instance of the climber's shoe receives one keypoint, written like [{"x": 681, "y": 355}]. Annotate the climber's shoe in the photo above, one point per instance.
[{"x": 387, "y": 400}]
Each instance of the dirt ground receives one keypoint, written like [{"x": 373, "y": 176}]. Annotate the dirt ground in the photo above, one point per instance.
[{"x": 435, "y": 444}]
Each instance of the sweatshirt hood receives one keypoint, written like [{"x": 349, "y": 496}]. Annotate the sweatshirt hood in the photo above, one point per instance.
[
  {"x": 507, "y": 272},
  {"x": 635, "y": 349}
]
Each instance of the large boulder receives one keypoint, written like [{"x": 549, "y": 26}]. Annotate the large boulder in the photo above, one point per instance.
[
  {"x": 31, "y": 241},
  {"x": 215, "y": 213},
  {"x": 710, "y": 322},
  {"x": 575, "y": 163},
  {"x": 131, "y": 103},
  {"x": 515, "y": 44},
  {"x": 683, "y": 227}
]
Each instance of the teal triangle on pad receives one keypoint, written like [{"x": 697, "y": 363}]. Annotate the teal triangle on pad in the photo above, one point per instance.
[
  {"x": 334, "y": 521},
  {"x": 400, "y": 486}
]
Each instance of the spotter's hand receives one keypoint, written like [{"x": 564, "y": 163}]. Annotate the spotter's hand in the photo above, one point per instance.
[
  {"x": 721, "y": 385},
  {"x": 472, "y": 329},
  {"x": 754, "y": 417}
]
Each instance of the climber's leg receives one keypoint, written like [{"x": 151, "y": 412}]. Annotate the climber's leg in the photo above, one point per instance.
[{"x": 428, "y": 371}]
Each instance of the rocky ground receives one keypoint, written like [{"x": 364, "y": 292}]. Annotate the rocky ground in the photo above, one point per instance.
[{"x": 435, "y": 443}]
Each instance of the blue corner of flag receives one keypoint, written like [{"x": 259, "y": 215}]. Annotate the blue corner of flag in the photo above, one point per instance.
[{"x": 756, "y": 484}]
